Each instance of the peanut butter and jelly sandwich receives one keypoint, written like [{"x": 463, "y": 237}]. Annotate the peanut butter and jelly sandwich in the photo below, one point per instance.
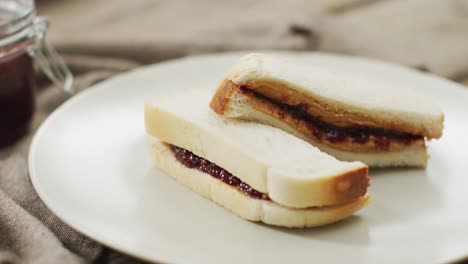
[
  {"x": 258, "y": 172},
  {"x": 350, "y": 116}
]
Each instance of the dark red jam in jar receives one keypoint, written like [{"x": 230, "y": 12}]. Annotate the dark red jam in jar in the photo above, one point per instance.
[
  {"x": 16, "y": 97},
  {"x": 22, "y": 42}
]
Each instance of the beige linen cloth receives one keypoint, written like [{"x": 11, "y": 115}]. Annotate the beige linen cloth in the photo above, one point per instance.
[{"x": 100, "y": 39}]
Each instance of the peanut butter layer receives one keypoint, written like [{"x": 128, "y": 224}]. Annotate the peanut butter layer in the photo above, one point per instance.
[
  {"x": 354, "y": 139},
  {"x": 328, "y": 113}
]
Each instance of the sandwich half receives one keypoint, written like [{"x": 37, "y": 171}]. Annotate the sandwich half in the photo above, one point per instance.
[
  {"x": 258, "y": 172},
  {"x": 352, "y": 117}
]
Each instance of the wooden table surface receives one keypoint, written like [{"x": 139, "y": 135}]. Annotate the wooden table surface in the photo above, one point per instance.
[{"x": 431, "y": 35}]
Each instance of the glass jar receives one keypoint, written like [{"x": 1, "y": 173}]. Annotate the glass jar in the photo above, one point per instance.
[{"x": 22, "y": 44}]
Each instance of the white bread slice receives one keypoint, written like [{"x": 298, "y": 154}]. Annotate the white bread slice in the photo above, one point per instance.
[
  {"x": 415, "y": 155},
  {"x": 246, "y": 207},
  {"x": 376, "y": 103},
  {"x": 292, "y": 172}
]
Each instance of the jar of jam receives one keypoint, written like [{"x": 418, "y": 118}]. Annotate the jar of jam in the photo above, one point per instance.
[{"x": 22, "y": 46}]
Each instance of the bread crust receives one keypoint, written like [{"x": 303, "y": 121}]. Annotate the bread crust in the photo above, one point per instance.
[
  {"x": 244, "y": 206},
  {"x": 221, "y": 102},
  {"x": 221, "y": 97}
]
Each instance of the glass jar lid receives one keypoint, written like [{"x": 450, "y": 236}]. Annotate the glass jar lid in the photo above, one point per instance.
[{"x": 15, "y": 15}]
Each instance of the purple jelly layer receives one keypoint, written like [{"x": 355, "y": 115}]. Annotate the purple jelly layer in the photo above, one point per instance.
[
  {"x": 192, "y": 161},
  {"x": 336, "y": 134}
]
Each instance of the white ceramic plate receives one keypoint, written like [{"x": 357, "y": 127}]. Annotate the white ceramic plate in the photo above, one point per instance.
[{"x": 89, "y": 163}]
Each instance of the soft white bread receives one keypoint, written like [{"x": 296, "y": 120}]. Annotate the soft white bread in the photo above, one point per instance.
[
  {"x": 246, "y": 207},
  {"x": 339, "y": 97},
  {"x": 415, "y": 155},
  {"x": 292, "y": 172}
]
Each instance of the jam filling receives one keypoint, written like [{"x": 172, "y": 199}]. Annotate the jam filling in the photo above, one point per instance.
[
  {"x": 335, "y": 134},
  {"x": 193, "y": 161}
]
